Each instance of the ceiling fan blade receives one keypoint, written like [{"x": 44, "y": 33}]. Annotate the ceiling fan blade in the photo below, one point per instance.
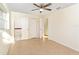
[
  {"x": 35, "y": 9},
  {"x": 48, "y": 9},
  {"x": 47, "y": 5},
  {"x": 41, "y": 5},
  {"x": 36, "y": 5}
]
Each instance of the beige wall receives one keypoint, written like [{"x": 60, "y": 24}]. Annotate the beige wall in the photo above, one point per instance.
[{"x": 64, "y": 26}]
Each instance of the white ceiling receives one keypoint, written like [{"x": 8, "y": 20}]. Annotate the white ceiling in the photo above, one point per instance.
[{"x": 27, "y": 7}]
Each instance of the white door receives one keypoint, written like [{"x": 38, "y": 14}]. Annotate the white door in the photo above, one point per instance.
[{"x": 34, "y": 28}]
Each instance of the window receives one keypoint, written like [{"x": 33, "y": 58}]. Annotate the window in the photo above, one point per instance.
[{"x": 4, "y": 20}]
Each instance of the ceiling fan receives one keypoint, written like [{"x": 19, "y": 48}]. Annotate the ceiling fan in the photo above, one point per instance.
[{"x": 42, "y": 6}]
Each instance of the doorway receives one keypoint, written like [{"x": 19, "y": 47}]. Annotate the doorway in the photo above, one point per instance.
[{"x": 46, "y": 29}]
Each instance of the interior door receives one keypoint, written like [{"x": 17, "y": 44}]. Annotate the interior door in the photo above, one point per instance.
[{"x": 34, "y": 28}]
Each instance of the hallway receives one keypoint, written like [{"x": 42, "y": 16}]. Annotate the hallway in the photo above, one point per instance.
[{"x": 39, "y": 47}]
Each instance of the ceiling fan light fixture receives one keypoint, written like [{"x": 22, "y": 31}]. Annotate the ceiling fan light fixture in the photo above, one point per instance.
[{"x": 41, "y": 9}]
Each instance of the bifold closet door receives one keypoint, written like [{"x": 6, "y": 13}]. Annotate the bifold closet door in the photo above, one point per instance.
[{"x": 20, "y": 26}]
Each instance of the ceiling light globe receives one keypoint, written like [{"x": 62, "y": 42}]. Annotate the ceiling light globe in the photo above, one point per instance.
[{"x": 41, "y": 10}]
